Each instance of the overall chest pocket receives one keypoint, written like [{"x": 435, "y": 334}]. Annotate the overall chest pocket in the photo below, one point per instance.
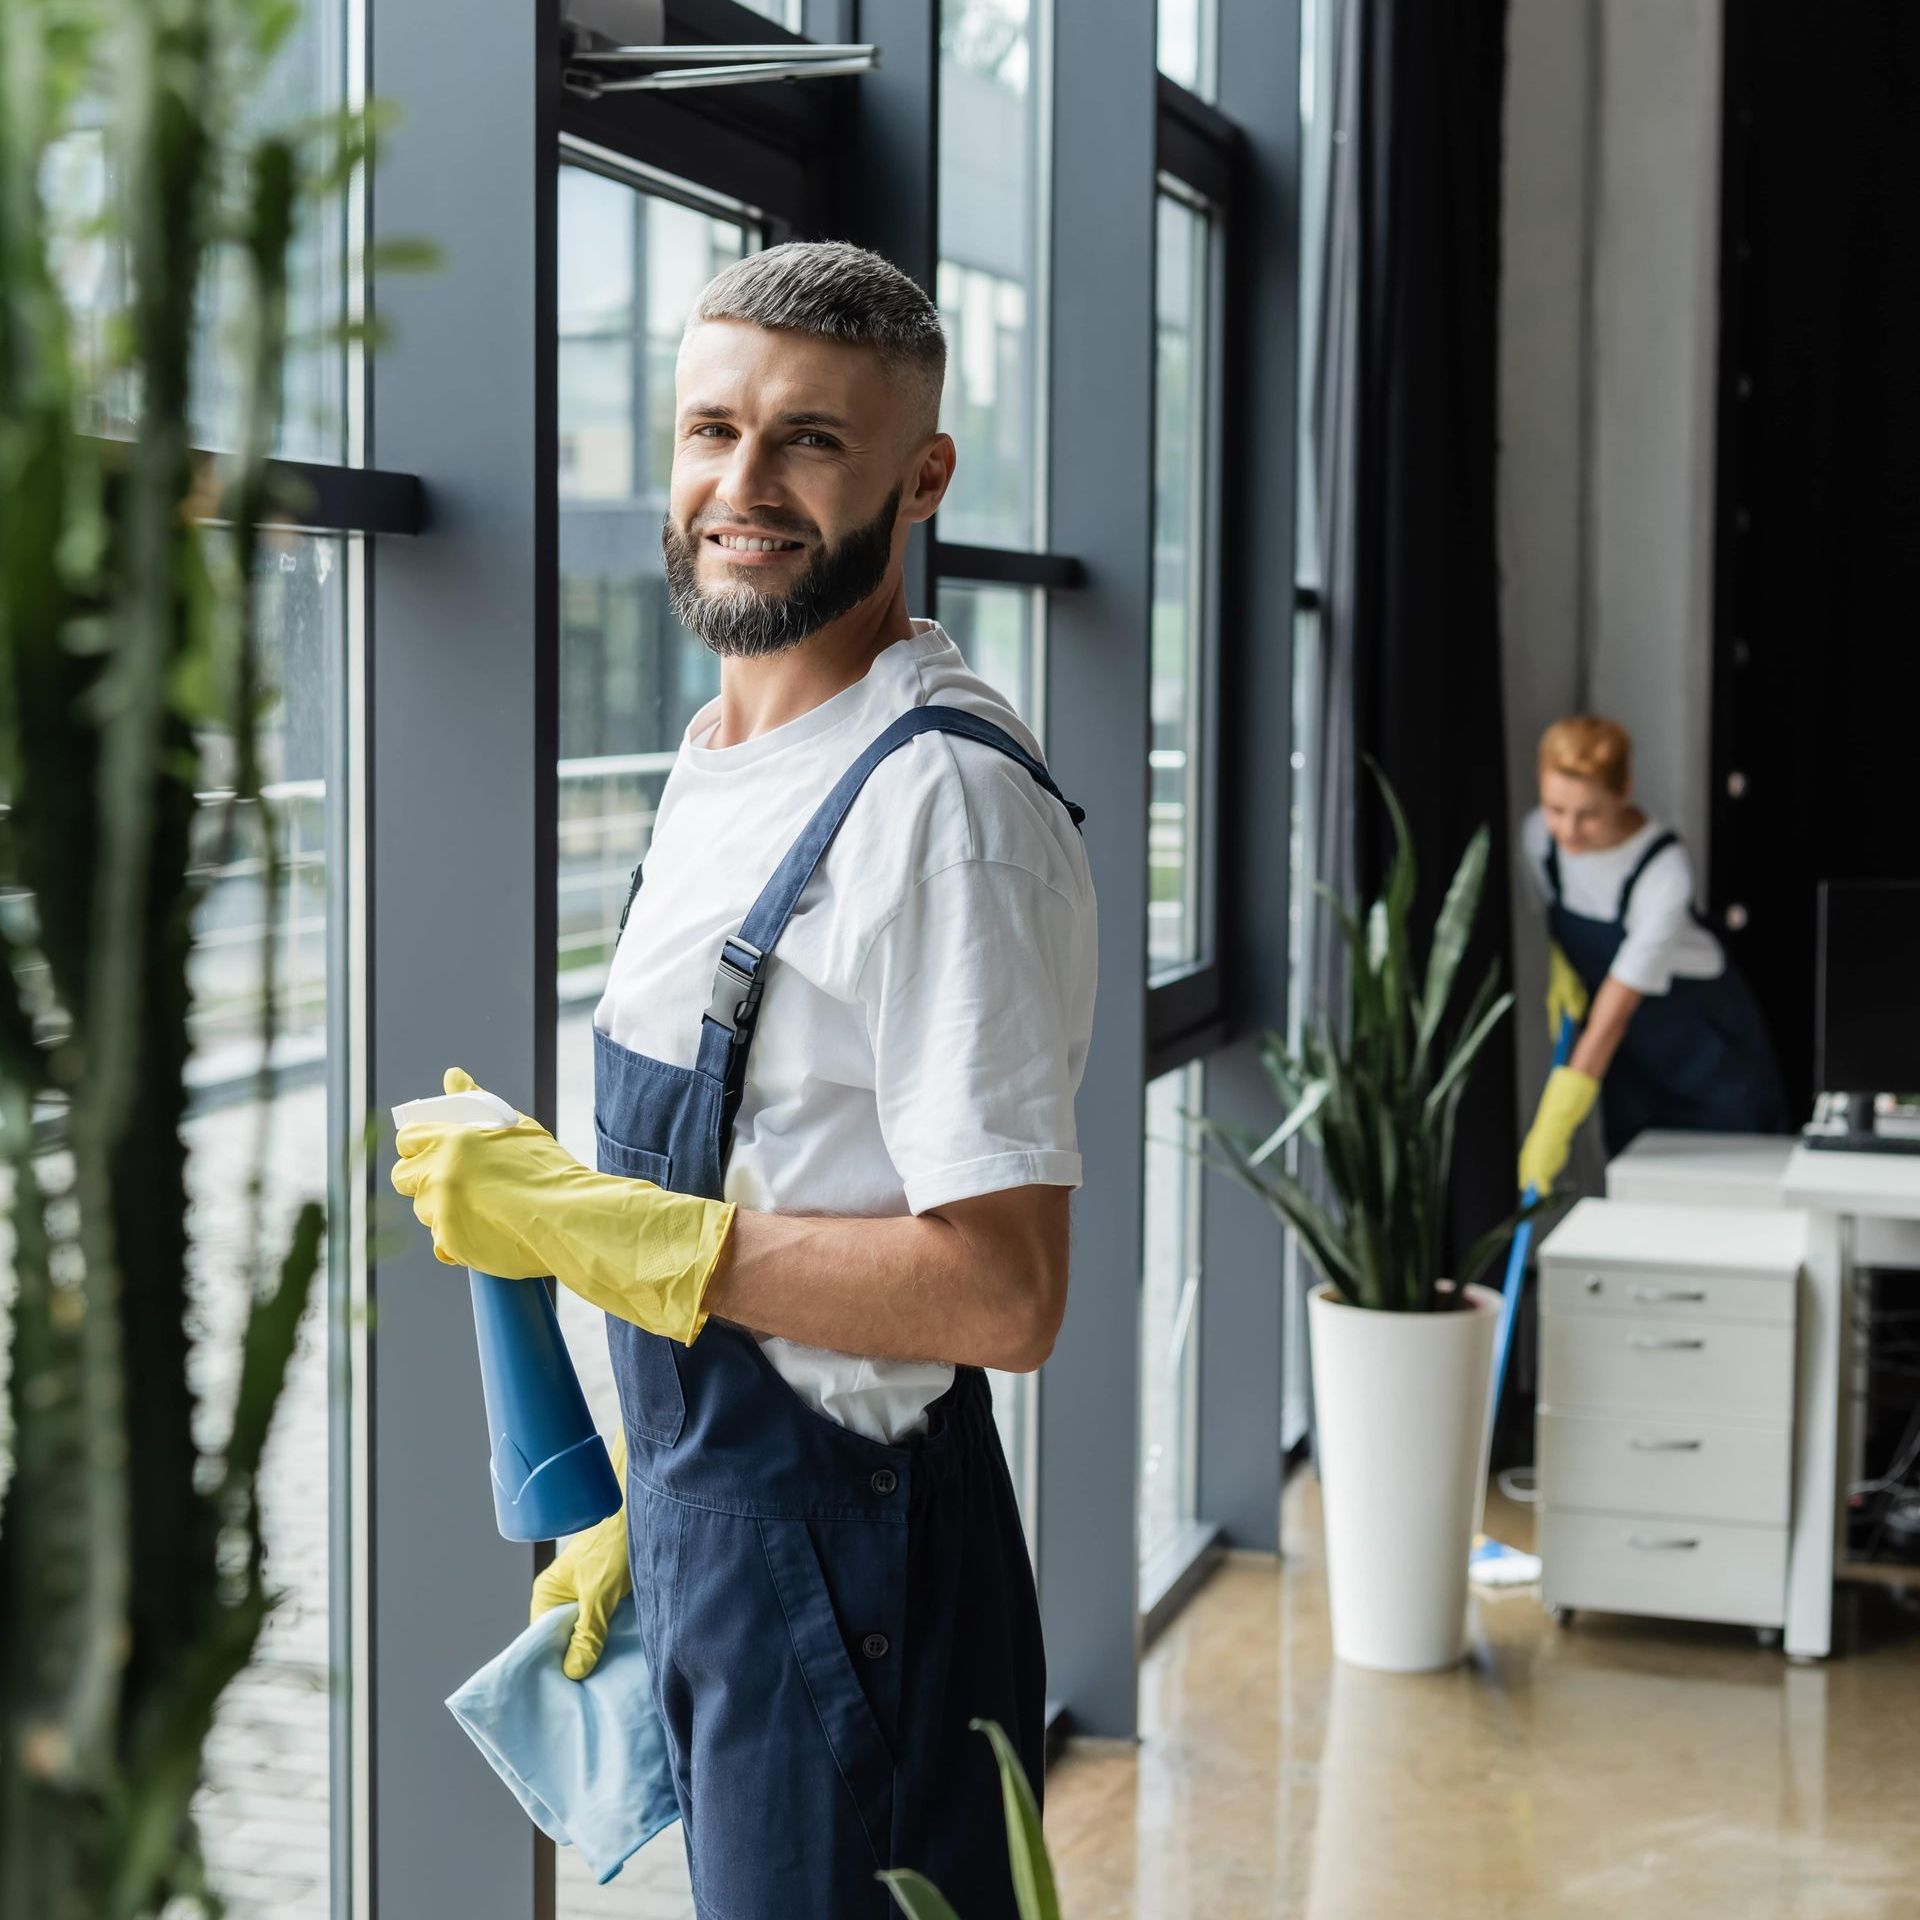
[
  {"x": 635, "y": 1162},
  {"x": 651, "y": 1402}
]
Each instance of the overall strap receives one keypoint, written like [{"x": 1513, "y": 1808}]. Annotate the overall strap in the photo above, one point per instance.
[
  {"x": 1661, "y": 842},
  {"x": 633, "y": 887},
  {"x": 1551, "y": 863},
  {"x": 726, "y": 1031}
]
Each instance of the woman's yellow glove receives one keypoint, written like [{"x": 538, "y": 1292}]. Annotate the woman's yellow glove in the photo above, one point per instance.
[
  {"x": 512, "y": 1201},
  {"x": 1566, "y": 991},
  {"x": 593, "y": 1569},
  {"x": 1566, "y": 1100}
]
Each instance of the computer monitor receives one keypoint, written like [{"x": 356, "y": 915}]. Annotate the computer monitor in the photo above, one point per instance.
[{"x": 1868, "y": 1036}]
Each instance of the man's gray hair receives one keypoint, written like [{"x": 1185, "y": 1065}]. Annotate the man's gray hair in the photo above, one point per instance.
[{"x": 837, "y": 292}]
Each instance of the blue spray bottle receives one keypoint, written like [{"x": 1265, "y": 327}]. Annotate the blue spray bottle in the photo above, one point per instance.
[{"x": 549, "y": 1466}]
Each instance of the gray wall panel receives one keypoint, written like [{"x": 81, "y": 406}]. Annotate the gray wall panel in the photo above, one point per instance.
[
  {"x": 460, "y": 886},
  {"x": 1241, "y": 1314},
  {"x": 1102, "y": 438}
]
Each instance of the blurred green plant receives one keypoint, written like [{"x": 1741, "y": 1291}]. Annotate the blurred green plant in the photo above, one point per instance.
[
  {"x": 132, "y": 1577},
  {"x": 1379, "y": 1098},
  {"x": 919, "y": 1899}
]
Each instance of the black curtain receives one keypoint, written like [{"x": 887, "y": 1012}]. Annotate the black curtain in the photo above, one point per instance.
[
  {"x": 1817, "y": 596},
  {"x": 1410, "y": 510}
]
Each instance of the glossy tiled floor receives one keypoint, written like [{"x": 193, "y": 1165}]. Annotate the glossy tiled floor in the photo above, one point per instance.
[{"x": 1616, "y": 1768}]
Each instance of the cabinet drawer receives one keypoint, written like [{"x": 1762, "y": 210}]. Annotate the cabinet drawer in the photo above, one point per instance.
[
  {"x": 1671, "y": 1294},
  {"x": 1678, "y": 1569},
  {"x": 1702, "y": 1369},
  {"x": 1667, "y": 1467}
]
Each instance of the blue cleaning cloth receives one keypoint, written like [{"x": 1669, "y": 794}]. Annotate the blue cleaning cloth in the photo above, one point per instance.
[{"x": 586, "y": 1758}]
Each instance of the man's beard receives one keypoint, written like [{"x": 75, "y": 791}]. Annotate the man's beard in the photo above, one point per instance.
[{"x": 741, "y": 621}]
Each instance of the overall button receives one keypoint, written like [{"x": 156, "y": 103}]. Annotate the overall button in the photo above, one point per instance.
[
  {"x": 885, "y": 1481},
  {"x": 874, "y": 1646}
]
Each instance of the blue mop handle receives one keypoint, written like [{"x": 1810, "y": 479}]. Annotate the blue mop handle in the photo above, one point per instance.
[{"x": 1516, "y": 1279}]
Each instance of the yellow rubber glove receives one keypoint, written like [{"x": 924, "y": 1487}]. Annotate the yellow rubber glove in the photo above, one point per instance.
[
  {"x": 1566, "y": 991},
  {"x": 512, "y": 1201},
  {"x": 593, "y": 1569},
  {"x": 1566, "y": 1100}
]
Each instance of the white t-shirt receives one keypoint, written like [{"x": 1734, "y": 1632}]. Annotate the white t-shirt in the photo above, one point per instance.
[
  {"x": 1663, "y": 939},
  {"x": 926, "y": 1014}
]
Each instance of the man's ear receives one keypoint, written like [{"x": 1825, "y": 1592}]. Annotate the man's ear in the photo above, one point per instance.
[{"x": 932, "y": 475}]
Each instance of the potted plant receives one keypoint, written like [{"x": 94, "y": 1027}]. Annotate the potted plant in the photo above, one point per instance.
[{"x": 1401, "y": 1351}]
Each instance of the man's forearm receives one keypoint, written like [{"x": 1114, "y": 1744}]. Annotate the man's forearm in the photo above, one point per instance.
[{"x": 906, "y": 1288}]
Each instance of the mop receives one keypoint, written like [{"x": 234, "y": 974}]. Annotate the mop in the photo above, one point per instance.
[{"x": 1492, "y": 1563}]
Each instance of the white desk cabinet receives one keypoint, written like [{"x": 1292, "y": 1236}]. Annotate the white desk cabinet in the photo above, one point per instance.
[{"x": 1665, "y": 1427}]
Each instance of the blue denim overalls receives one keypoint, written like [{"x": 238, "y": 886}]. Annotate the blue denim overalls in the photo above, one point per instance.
[
  {"x": 823, "y": 1614},
  {"x": 1695, "y": 1058}
]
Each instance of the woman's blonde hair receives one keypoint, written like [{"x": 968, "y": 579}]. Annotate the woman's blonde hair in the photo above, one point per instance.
[{"x": 1586, "y": 747}]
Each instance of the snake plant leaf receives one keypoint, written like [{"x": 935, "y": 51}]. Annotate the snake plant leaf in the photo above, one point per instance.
[
  {"x": 1465, "y": 1050},
  {"x": 1321, "y": 1239},
  {"x": 1311, "y": 1100},
  {"x": 1296, "y": 1209},
  {"x": 1484, "y": 1251},
  {"x": 273, "y": 1328},
  {"x": 1243, "y": 1140},
  {"x": 163, "y": 1773},
  {"x": 1451, "y": 932},
  {"x": 916, "y": 1896},
  {"x": 1026, "y": 1845},
  {"x": 1394, "y": 965},
  {"x": 1377, "y": 1096}
]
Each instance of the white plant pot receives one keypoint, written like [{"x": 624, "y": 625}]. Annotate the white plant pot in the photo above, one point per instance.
[{"x": 1400, "y": 1409}]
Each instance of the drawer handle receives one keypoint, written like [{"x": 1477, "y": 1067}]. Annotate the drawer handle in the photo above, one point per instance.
[
  {"x": 1660, "y": 1543},
  {"x": 1641, "y": 1443},
  {"x": 1646, "y": 1343},
  {"x": 1656, "y": 1296}
]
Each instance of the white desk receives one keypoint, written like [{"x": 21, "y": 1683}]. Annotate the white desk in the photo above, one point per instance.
[
  {"x": 1860, "y": 1207},
  {"x": 1702, "y": 1169},
  {"x": 1863, "y": 1209}
]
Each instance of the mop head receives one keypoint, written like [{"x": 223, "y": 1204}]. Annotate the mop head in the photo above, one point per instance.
[{"x": 1492, "y": 1563}]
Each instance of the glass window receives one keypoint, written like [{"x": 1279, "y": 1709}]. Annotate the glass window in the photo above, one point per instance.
[
  {"x": 783, "y": 13},
  {"x": 1169, "y": 1315},
  {"x": 1188, "y": 31},
  {"x": 1177, "y": 710},
  {"x": 631, "y": 677},
  {"x": 305, "y": 83},
  {"x": 998, "y": 630},
  {"x": 264, "y": 1810},
  {"x": 1299, "y": 1278},
  {"x": 1318, "y": 24},
  {"x": 991, "y": 285}
]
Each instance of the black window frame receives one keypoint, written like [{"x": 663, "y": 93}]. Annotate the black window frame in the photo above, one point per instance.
[{"x": 1190, "y": 1013}]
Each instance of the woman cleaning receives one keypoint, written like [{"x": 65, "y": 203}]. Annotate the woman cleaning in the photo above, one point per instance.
[{"x": 1673, "y": 1037}]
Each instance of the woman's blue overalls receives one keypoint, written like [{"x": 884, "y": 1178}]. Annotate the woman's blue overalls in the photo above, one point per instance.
[
  {"x": 823, "y": 1614},
  {"x": 1695, "y": 1058}
]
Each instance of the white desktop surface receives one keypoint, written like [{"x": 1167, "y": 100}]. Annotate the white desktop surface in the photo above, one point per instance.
[
  {"x": 1703, "y": 1169},
  {"x": 1639, "y": 1234},
  {"x": 1884, "y": 1185}
]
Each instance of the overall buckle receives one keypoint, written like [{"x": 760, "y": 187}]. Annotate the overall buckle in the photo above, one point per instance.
[{"x": 736, "y": 985}]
